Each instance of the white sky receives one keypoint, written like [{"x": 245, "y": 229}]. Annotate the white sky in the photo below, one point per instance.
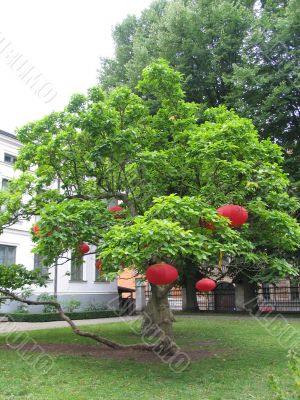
[{"x": 63, "y": 40}]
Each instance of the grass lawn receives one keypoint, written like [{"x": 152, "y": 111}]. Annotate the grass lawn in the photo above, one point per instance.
[{"x": 244, "y": 355}]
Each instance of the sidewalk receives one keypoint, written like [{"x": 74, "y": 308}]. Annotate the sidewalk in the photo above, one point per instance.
[{"x": 6, "y": 327}]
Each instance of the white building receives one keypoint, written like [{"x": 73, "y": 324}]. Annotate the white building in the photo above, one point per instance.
[{"x": 80, "y": 282}]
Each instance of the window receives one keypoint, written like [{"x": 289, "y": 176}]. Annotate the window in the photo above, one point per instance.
[
  {"x": 7, "y": 254},
  {"x": 77, "y": 268},
  {"x": 38, "y": 264},
  {"x": 266, "y": 291},
  {"x": 4, "y": 183},
  {"x": 9, "y": 158}
]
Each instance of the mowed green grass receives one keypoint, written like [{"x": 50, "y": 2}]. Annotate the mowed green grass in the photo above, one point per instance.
[{"x": 244, "y": 354}]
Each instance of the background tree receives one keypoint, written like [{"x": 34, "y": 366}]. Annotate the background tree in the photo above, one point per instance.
[
  {"x": 169, "y": 173},
  {"x": 242, "y": 55},
  {"x": 265, "y": 84}
]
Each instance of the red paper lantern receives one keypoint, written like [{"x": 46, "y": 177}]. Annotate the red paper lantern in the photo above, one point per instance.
[
  {"x": 236, "y": 214},
  {"x": 83, "y": 248},
  {"x": 206, "y": 285},
  {"x": 98, "y": 264},
  {"x": 161, "y": 274},
  {"x": 115, "y": 210},
  {"x": 36, "y": 230}
]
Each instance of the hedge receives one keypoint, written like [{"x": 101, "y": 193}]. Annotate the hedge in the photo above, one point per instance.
[{"x": 46, "y": 317}]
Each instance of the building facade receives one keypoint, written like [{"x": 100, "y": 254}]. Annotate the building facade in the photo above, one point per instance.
[{"x": 80, "y": 281}]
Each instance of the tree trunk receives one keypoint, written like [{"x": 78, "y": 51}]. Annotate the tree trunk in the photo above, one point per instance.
[
  {"x": 158, "y": 320},
  {"x": 191, "y": 278},
  {"x": 191, "y": 294}
]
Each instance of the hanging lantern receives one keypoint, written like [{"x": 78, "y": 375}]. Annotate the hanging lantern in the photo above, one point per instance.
[
  {"x": 83, "y": 248},
  {"x": 115, "y": 210},
  {"x": 161, "y": 274},
  {"x": 206, "y": 224},
  {"x": 36, "y": 230},
  {"x": 206, "y": 285},
  {"x": 236, "y": 214},
  {"x": 98, "y": 264}
]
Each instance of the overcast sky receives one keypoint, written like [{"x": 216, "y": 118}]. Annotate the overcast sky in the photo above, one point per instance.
[{"x": 60, "y": 41}]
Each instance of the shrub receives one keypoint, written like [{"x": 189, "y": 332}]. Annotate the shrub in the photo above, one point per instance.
[
  {"x": 47, "y": 297},
  {"x": 56, "y": 317},
  {"x": 71, "y": 305}
]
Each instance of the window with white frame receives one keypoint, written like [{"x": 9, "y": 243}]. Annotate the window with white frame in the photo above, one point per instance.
[
  {"x": 4, "y": 183},
  {"x": 9, "y": 158},
  {"x": 38, "y": 264},
  {"x": 76, "y": 268},
  {"x": 7, "y": 254}
]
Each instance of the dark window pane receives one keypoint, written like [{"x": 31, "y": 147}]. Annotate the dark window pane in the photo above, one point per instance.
[
  {"x": 4, "y": 183},
  {"x": 77, "y": 268},
  {"x": 9, "y": 158},
  {"x": 38, "y": 263},
  {"x": 7, "y": 254}
]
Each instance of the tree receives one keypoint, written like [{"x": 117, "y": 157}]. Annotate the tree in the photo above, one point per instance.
[
  {"x": 169, "y": 173},
  {"x": 231, "y": 53},
  {"x": 265, "y": 84},
  {"x": 201, "y": 39}
]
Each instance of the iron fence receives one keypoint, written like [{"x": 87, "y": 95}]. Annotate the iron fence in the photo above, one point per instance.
[
  {"x": 280, "y": 299},
  {"x": 269, "y": 298}
]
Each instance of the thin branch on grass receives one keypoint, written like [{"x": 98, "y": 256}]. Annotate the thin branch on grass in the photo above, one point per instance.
[{"x": 75, "y": 328}]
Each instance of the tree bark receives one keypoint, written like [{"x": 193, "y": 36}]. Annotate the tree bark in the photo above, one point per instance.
[
  {"x": 158, "y": 319},
  {"x": 191, "y": 294}
]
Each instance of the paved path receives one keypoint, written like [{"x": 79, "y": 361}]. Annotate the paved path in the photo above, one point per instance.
[{"x": 6, "y": 327}]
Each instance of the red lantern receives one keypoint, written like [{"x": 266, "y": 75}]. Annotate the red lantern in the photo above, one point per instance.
[
  {"x": 36, "y": 230},
  {"x": 83, "y": 248},
  {"x": 98, "y": 264},
  {"x": 161, "y": 274},
  {"x": 205, "y": 224},
  {"x": 236, "y": 214},
  {"x": 206, "y": 285},
  {"x": 116, "y": 210}
]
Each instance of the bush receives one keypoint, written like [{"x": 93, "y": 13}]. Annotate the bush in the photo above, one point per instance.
[
  {"x": 46, "y": 317},
  {"x": 47, "y": 297},
  {"x": 71, "y": 305}
]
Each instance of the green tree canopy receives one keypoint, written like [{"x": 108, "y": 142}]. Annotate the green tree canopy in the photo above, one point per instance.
[
  {"x": 168, "y": 171},
  {"x": 235, "y": 53}
]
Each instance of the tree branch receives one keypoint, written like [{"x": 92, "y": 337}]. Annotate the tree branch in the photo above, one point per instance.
[{"x": 76, "y": 330}]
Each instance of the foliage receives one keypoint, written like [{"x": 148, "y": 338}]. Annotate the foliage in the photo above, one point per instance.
[
  {"x": 15, "y": 276},
  {"x": 71, "y": 305},
  {"x": 150, "y": 153},
  {"x": 231, "y": 53},
  {"x": 47, "y": 308}
]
